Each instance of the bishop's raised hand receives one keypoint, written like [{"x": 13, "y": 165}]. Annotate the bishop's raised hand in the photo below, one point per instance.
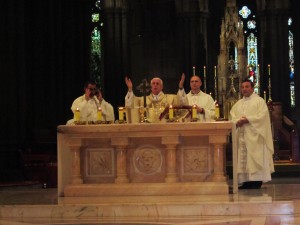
[
  {"x": 181, "y": 82},
  {"x": 128, "y": 83}
]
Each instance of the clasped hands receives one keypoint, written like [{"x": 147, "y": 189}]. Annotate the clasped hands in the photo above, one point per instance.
[{"x": 242, "y": 121}]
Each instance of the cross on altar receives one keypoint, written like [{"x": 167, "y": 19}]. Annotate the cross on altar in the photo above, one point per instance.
[{"x": 144, "y": 88}]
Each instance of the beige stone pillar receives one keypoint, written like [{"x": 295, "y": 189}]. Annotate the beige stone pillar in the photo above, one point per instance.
[
  {"x": 171, "y": 161},
  {"x": 219, "y": 157},
  {"x": 76, "y": 177},
  {"x": 121, "y": 144}
]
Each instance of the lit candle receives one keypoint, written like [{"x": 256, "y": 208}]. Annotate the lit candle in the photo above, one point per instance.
[
  {"x": 121, "y": 114},
  {"x": 194, "y": 112},
  {"x": 204, "y": 68},
  {"x": 171, "y": 112},
  {"x": 217, "y": 111},
  {"x": 194, "y": 70},
  {"x": 265, "y": 96},
  {"x": 215, "y": 71},
  {"x": 99, "y": 114},
  {"x": 269, "y": 69},
  {"x": 77, "y": 114}
]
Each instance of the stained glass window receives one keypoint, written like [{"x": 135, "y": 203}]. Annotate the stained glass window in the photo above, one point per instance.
[
  {"x": 251, "y": 24},
  {"x": 250, "y": 32},
  {"x": 252, "y": 60},
  {"x": 95, "y": 66},
  {"x": 291, "y": 63},
  {"x": 245, "y": 12}
]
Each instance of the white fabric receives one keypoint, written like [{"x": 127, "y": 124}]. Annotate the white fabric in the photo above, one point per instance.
[
  {"x": 155, "y": 103},
  {"x": 163, "y": 99},
  {"x": 254, "y": 139},
  {"x": 202, "y": 100},
  {"x": 107, "y": 111},
  {"x": 88, "y": 109}
]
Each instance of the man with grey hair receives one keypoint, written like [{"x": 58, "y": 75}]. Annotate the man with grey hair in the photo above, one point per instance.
[{"x": 156, "y": 101}]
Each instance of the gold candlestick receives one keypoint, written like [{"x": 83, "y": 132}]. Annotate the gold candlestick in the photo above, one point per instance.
[
  {"x": 194, "y": 70},
  {"x": 215, "y": 77},
  {"x": 204, "y": 71},
  {"x": 269, "y": 86},
  {"x": 257, "y": 79}
]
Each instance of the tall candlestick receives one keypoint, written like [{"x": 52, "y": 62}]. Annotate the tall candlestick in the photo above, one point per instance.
[
  {"x": 215, "y": 71},
  {"x": 270, "y": 90},
  {"x": 269, "y": 86},
  {"x": 258, "y": 79},
  {"x": 216, "y": 90},
  {"x": 204, "y": 71},
  {"x": 265, "y": 96},
  {"x": 194, "y": 70}
]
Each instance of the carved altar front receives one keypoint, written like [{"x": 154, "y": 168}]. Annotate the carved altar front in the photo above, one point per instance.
[{"x": 142, "y": 159}]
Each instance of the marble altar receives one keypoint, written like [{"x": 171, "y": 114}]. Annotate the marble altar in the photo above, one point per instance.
[{"x": 142, "y": 159}]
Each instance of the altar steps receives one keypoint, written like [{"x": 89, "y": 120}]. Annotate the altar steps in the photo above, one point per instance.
[{"x": 273, "y": 199}]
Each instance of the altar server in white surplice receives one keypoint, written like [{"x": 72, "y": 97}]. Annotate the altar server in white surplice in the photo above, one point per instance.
[
  {"x": 204, "y": 102},
  {"x": 88, "y": 104},
  {"x": 254, "y": 138}
]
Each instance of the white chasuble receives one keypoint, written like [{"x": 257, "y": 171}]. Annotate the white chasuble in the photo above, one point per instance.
[{"x": 254, "y": 139}]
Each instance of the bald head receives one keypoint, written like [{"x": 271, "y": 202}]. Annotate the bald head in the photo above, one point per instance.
[{"x": 195, "y": 83}]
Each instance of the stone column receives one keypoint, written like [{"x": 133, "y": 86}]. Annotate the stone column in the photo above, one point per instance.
[
  {"x": 121, "y": 149},
  {"x": 76, "y": 177},
  {"x": 192, "y": 33},
  {"x": 116, "y": 39},
  {"x": 171, "y": 162},
  {"x": 273, "y": 18},
  {"x": 219, "y": 157}
]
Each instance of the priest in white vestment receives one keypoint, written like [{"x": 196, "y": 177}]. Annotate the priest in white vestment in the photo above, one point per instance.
[
  {"x": 204, "y": 102},
  {"x": 254, "y": 138},
  {"x": 88, "y": 105}
]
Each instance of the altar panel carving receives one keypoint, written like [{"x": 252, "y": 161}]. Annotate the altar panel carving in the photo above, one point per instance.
[
  {"x": 147, "y": 164},
  {"x": 142, "y": 159},
  {"x": 99, "y": 166},
  {"x": 195, "y": 159}
]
